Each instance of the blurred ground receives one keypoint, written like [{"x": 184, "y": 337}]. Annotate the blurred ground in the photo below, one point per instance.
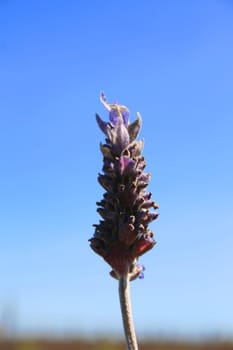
[{"x": 106, "y": 345}]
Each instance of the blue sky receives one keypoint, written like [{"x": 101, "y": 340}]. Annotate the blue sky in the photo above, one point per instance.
[{"x": 172, "y": 62}]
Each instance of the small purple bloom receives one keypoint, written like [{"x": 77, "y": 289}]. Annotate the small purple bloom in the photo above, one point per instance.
[
  {"x": 122, "y": 234},
  {"x": 119, "y": 114},
  {"x": 141, "y": 269}
]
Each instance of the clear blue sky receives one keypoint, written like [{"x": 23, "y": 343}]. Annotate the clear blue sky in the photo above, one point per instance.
[{"x": 173, "y": 62}]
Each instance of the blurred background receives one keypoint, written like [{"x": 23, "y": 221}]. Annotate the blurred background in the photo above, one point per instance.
[{"x": 172, "y": 62}]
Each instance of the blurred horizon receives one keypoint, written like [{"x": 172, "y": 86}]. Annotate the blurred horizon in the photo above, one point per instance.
[{"x": 170, "y": 61}]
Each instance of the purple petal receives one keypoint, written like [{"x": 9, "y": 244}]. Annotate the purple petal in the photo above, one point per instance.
[
  {"x": 140, "y": 269},
  {"x": 124, "y": 163},
  {"x": 125, "y": 115},
  {"x": 120, "y": 138},
  {"x": 119, "y": 114},
  {"x": 141, "y": 276},
  {"x": 113, "y": 116}
]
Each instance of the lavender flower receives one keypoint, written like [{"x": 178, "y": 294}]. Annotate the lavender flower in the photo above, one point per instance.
[{"x": 122, "y": 235}]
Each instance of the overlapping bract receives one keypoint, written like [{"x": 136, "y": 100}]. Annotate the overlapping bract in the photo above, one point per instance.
[{"x": 123, "y": 235}]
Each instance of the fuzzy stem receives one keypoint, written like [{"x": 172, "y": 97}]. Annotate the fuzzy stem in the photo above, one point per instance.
[{"x": 126, "y": 311}]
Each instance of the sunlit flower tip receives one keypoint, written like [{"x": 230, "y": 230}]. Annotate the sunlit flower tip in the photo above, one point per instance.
[{"x": 122, "y": 234}]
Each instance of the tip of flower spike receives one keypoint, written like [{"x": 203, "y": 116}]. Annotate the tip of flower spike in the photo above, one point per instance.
[
  {"x": 103, "y": 100},
  {"x": 115, "y": 110}
]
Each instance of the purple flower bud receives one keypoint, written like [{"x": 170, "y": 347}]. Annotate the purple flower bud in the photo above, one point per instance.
[{"x": 123, "y": 235}]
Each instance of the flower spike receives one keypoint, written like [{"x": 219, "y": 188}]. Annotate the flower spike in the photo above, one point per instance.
[{"x": 122, "y": 234}]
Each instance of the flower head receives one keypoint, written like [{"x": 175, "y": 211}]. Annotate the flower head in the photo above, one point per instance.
[{"x": 122, "y": 234}]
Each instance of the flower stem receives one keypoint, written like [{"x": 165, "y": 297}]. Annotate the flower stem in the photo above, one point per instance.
[{"x": 126, "y": 311}]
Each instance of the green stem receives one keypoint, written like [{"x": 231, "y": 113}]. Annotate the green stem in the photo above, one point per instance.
[{"x": 126, "y": 311}]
